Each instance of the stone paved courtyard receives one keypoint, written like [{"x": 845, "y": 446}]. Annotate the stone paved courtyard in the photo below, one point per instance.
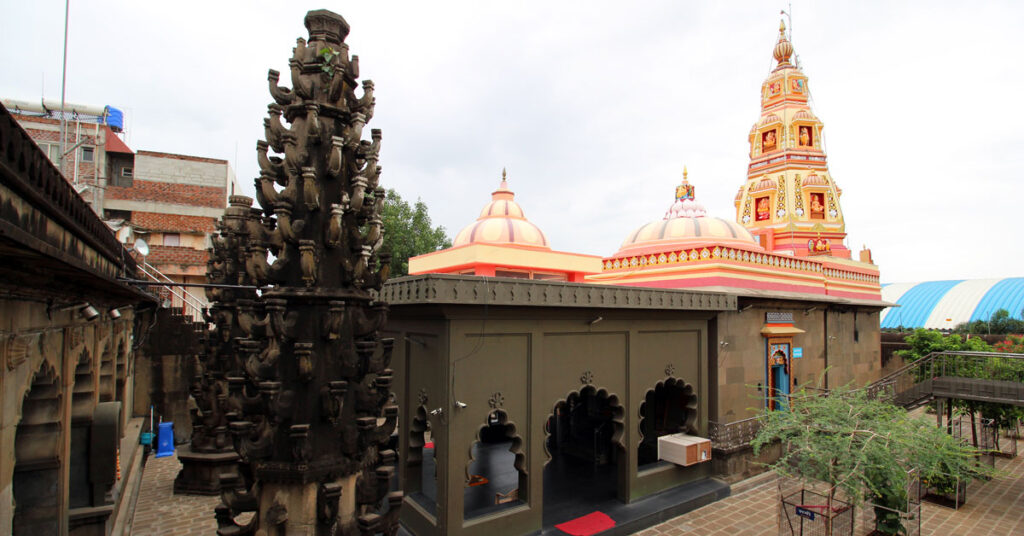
[{"x": 995, "y": 507}]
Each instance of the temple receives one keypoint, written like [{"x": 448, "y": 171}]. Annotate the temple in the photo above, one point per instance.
[{"x": 540, "y": 386}]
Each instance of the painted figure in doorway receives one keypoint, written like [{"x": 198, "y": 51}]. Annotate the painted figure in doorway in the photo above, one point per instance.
[{"x": 805, "y": 136}]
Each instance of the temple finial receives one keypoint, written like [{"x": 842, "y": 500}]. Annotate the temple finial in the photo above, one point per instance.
[
  {"x": 684, "y": 174},
  {"x": 783, "y": 48}
]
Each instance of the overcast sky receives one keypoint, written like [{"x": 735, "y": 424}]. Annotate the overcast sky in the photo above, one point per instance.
[{"x": 594, "y": 107}]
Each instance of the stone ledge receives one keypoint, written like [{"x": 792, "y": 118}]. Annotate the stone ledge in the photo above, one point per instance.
[{"x": 475, "y": 290}]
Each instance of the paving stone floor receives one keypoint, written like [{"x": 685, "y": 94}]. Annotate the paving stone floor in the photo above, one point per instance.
[{"x": 993, "y": 508}]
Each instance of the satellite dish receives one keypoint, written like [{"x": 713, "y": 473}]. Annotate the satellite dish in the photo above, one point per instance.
[{"x": 142, "y": 247}]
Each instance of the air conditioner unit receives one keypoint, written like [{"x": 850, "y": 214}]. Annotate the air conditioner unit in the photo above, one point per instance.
[{"x": 683, "y": 449}]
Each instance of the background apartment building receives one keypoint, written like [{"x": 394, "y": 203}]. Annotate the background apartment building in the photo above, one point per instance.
[{"x": 170, "y": 201}]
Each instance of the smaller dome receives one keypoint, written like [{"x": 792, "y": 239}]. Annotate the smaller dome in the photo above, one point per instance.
[
  {"x": 686, "y": 225},
  {"x": 783, "y": 48},
  {"x": 765, "y": 185},
  {"x": 804, "y": 115},
  {"x": 814, "y": 180},
  {"x": 768, "y": 119},
  {"x": 502, "y": 222}
]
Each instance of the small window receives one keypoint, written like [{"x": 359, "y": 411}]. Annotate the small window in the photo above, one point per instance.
[
  {"x": 53, "y": 152},
  {"x": 87, "y": 154},
  {"x": 126, "y": 172},
  {"x": 172, "y": 239}
]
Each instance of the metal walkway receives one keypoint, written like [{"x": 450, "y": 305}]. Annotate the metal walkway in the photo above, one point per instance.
[{"x": 981, "y": 376}]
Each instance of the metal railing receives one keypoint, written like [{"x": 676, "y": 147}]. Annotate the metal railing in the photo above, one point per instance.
[
  {"x": 985, "y": 376},
  {"x": 191, "y": 305},
  {"x": 911, "y": 386},
  {"x": 733, "y": 435}
]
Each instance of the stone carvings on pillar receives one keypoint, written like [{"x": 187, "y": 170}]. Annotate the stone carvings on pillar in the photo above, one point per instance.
[{"x": 295, "y": 378}]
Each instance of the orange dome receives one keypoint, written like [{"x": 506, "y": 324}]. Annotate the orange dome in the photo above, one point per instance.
[
  {"x": 804, "y": 115},
  {"x": 814, "y": 180},
  {"x": 502, "y": 222},
  {"x": 765, "y": 184}
]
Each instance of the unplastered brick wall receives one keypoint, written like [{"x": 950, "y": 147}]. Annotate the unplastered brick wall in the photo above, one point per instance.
[
  {"x": 169, "y": 193},
  {"x": 159, "y": 255},
  {"x": 172, "y": 222},
  {"x": 180, "y": 169}
]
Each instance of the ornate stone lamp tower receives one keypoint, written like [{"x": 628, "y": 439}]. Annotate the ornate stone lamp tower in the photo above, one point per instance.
[{"x": 297, "y": 369}]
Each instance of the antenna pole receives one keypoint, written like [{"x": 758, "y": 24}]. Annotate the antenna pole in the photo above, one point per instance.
[{"x": 63, "y": 83}]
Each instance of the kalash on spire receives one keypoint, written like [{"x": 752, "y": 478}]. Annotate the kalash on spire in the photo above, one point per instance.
[{"x": 790, "y": 201}]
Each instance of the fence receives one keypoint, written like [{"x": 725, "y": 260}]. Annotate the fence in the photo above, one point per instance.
[{"x": 804, "y": 511}]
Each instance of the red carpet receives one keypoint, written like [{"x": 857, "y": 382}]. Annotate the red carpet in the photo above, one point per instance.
[{"x": 589, "y": 524}]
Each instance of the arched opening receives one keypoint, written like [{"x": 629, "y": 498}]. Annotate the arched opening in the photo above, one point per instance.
[
  {"x": 36, "y": 480},
  {"x": 421, "y": 462},
  {"x": 669, "y": 408},
  {"x": 122, "y": 372},
  {"x": 107, "y": 373},
  {"x": 584, "y": 434},
  {"x": 496, "y": 471},
  {"x": 83, "y": 403}
]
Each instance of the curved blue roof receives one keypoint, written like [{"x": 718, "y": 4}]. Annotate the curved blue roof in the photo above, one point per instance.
[
  {"x": 944, "y": 304},
  {"x": 1007, "y": 294}
]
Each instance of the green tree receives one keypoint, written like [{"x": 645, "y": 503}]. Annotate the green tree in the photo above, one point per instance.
[
  {"x": 999, "y": 323},
  {"x": 862, "y": 448},
  {"x": 408, "y": 232}
]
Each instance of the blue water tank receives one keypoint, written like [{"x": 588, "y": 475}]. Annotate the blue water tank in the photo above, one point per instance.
[
  {"x": 115, "y": 119},
  {"x": 165, "y": 440}
]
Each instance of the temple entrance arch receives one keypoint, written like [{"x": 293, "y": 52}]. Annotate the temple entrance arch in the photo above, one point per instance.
[
  {"x": 669, "y": 408},
  {"x": 36, "y": 481},
  {"x": 586, "y": 455},
  {"x": 779, "y": 350},
  {"x": 496, "y": 476}
]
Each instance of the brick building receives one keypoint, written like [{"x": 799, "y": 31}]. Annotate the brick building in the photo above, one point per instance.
[{"x": 171, "y": 201}]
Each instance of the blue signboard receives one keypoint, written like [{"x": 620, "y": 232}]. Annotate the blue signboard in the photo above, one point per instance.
[
  {"x": 803, "y": 512},
  {"x": 798, "y": 352}
]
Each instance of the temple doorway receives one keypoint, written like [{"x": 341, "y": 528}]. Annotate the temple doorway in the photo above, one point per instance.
[
  {"x": 583, "y": 434},
  {"x": 778, "y": 373},
  {"x": 496, "y": 472}
]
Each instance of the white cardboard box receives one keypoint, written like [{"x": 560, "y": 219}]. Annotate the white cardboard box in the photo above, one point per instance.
[{"x": 683, "y": 449}]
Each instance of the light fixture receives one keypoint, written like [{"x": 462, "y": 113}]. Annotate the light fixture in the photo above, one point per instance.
[
  {"x": 810, "y": 310},
  {"x": 89, "y": 312},
  {"x": 596, "y": 320},
  {"x": 723, "y": 344},
  {"x": 745, "y": 307},
  {"x": 114, "y": 313}
]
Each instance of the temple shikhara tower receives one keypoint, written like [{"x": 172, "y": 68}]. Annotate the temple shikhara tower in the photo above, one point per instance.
[{"x": 790, "y": 201}]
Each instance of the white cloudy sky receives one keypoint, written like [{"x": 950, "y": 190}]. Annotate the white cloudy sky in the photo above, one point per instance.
[{"x": 593, "y": 106}]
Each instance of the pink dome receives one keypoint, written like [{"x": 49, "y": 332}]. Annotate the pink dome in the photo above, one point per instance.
[{"x": 502, "y": 222}]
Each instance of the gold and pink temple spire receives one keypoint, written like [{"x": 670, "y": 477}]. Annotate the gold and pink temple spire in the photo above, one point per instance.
[{"x": 790, "y": 200}]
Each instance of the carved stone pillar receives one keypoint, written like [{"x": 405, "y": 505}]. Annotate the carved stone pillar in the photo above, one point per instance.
[{"x": 298, "y": 370}]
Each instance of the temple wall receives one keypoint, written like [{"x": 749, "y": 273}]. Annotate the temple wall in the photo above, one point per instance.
[
  {"x": 63, "y": 380},
  {"x": 523, "y": 361},
  {"x": 828, "y": 341}
]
